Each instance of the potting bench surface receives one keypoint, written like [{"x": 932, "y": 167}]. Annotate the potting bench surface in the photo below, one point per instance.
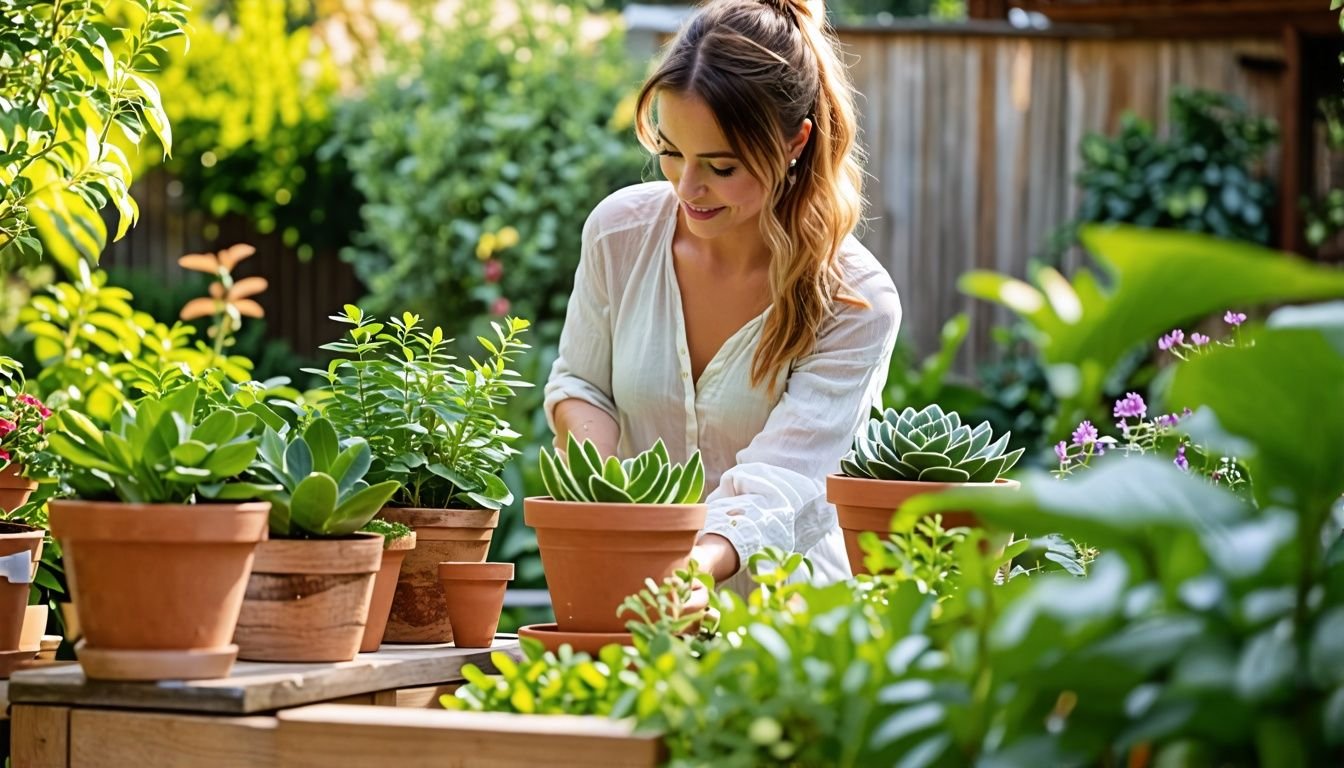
[
  {"x": 59, "y": 718},
  {"x": 260, "y": 686}
]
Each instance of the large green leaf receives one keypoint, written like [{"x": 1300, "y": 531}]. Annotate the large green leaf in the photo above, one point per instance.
[
  {"x": 323, "y": 443},
  {"x": 1160, "y": 280},
  {"x": 313, "y": 502},
  {"x": 1285, "y": 396},
  {"x": 359, "y": 508}
]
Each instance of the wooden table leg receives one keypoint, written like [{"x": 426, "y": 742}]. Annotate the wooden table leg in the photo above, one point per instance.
[{"x": 39, "y": 737}]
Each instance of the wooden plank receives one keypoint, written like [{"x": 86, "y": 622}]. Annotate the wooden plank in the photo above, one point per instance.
[
  {"x": 425, "y": 697},
  {"x": 260, "y": 687},
  {"x": 108, "y": 737},
  {"x": 331, "y": 736},
  {"x": 1293, "y": 171},
  {"x": 39, "y": 737}
]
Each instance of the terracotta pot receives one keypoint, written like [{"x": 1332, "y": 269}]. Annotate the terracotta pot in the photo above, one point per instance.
[
  {"x": 473, "y": 593},
  {"x": 596, "y": 555},
  {"x": 308, "y": 599},
  {"x": 15, "y": 538},
  {"x": 551, "y": 638},
  {"x": 384, "y": 585},
  {"x": 441, "y": 535},
  {"x": 863, "y": 505},
  {"x": 34, "y": 627},
  {"x": 14, "y": 487},
  {"x": 158, "y": 587}
]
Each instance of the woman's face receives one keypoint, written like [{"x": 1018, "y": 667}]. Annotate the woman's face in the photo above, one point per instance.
[{"x": 717, "y": 194}]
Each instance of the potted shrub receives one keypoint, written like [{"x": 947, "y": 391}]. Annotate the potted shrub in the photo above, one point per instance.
[
  {"x": 156, "y": 570},
  {"x": 308, "y": 597},
  {"x": 23, "y": 442},
  {"x": 433, "y": 427},
  {"x": 608, "y": 525},
  {"x": 903, "y": 454},
  {"x": 398, "y": 541}
]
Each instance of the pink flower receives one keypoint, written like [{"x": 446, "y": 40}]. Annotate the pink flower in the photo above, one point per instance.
[
  {"x": 6, "y": 427},
  {"x": 4, "y": 455},
  {"x": 1199, "y": 339},
  {"x": 33, "y": 402},
  {"x": 500, "y": 308},
  {"x": 1234, "y": 318},
  {"x": 494, "y": 270},
  {"x": 1173, "y": 339},
  {"x": 1062, "y": 452}
]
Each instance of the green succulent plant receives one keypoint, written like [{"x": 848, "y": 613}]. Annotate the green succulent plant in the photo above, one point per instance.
[
  {"x": 320, "y": 489},
  {"x": 156, "y": 451},
  {"x": 649, "y": 478},
  {"x": 928, "y": 446}
]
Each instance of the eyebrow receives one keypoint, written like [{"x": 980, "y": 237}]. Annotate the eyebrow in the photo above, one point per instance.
[{"x": 707, "y": 155}]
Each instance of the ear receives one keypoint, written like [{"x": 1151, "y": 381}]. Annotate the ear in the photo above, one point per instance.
[{"x": 800, "y": 139}]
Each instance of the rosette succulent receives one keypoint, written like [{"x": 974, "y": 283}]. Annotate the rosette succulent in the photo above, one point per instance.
[
  {"x": 649, "y": 478},
  {"x": 928, "y": 446}
]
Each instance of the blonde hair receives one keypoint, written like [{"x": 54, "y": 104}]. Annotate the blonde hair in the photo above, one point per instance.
[{"x": 763, "y": 67}]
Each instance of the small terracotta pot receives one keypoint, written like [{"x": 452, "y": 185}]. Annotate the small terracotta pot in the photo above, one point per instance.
[
  {"x": 158, "y": 587},
  {"x": 15, "y": 538},
  {"x": 863, "y": 504},
  {"x": 474, "y": 596},
  {"x": 596, "y": 555},
  {"x": 14, "y": 487},
  {"x": 441, "y": 535},
  {"x": 384, "y": 585},
  {"x": 308, "y": 599},
  {"x": 34, "y": 627}
]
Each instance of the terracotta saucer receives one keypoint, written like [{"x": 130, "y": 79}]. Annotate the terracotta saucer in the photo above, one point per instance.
[
  {"x": 200, "y": 664},
  {"x": 10, "y": 660},
  {"x": 590, "y": 643}
]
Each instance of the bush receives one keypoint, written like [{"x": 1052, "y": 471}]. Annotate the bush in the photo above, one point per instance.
[{"x": 480, "y": 154}]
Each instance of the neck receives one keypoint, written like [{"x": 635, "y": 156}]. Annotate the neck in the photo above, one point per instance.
[{"x": 734, "y": 253}]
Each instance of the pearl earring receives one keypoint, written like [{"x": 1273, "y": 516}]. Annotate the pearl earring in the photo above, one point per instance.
[{"x": 793, "y": 162}]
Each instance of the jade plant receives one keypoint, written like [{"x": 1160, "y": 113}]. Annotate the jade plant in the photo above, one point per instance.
[
  {"x": 159, "y": 449},
  {"x": 580, "y": 474},
  {"x": 928, "y": 446},
  {"x": 319, "y": 487}
]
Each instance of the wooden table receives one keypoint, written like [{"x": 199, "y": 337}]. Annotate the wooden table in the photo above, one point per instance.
[{"x": 60, "y": 719}]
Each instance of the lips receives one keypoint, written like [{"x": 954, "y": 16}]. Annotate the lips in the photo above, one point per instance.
[{"x": 699, "y": 213}]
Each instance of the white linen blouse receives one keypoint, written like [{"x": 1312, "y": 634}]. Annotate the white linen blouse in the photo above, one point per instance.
[{"x": 623, "y": 349}]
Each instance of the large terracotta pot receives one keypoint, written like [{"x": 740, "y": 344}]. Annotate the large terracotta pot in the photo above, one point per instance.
[
  {"x": 16, "y": 538},
  {"x": 158, "y": 587},
  {"x": 863, "y": 504},
  {"x": 384, "y": 586},
  {"x": 308, "y": 599},
  {"x": 474, "y": 596},
  {"x": 596, "y": 555},
  {"x": 419, "y": 614},
  {"x": 14, "y": 487}
]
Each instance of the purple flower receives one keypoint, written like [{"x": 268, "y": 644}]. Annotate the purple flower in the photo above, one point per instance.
[
  {"x": 1173, "y": 339},
  {"x": 1186, "y": 411},
  {"x": 1167, "y": 420},
  {"x": 1062, "y": 451},
  {"x": 1234, "y": 318},
  {"x": 1084, "y": 434},
  {"x": 1100, "y": 449},
  {"x": 1130, "y": 406},
  {"x": 1199, "y": 339},
  {"x": 1180, "y": 460}
]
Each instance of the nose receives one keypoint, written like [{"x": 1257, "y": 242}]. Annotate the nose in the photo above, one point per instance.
[{"x": 691, "y": 183}]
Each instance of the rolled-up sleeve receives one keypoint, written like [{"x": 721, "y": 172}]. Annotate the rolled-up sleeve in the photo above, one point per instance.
[
  {"x": 774, "y": 495},
  {"x": 582, "y": 369}
]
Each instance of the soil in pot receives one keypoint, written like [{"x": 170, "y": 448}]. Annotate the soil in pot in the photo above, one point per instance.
[
  {"x": 419, "y": 614},
  {"x": 308, "y": 599},
  {"x": 158, "y": 587},
  {"x": 473, "y": 594},
  {"x": 384, "y": 586}
]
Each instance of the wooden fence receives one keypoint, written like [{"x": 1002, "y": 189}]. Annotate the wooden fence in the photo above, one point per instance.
[
  {"x": 973, "y": 139},
  {"x": 971, "y": 131}
]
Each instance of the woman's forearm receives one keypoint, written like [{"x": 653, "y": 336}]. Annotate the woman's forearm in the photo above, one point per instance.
[{"x": 586, "y": 422}]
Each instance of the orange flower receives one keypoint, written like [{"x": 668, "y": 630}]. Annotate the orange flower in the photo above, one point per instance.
[{"x": 216, "y": 263}]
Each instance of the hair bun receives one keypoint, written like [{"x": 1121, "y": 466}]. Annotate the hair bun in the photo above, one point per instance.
[{"x": 800, "y": 11}]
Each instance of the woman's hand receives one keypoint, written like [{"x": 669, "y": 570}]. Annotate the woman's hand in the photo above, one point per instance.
[{"x": 716, "y": 556}]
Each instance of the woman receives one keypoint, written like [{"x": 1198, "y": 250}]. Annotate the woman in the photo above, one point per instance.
[{"x": 729, "y": 309}]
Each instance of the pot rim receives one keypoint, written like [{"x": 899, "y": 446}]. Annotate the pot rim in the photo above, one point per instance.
[{"x": 546, "y": 512}]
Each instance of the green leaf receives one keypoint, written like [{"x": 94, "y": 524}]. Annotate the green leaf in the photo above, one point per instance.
[
  {"x": 921, "y": 460},
  {"x": 298, "y": 461},
  {"x": 602, "y": 491},
  {"x": 217, "y": 428},
  {"x": 313, "y": 502},
  {"x": 357, "y": 510},
  {"x": 230, "y": 460},
  {"x": 551, "y": 479},
  {"x": 352, "y": 464},
  {"x": 613, "y": 473},
  {"x": 190, "y": 453},
  {"x": 944, "y": 475},
  {"x": 322, "y": 443},
  {"x": 692, "y": 481}
]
